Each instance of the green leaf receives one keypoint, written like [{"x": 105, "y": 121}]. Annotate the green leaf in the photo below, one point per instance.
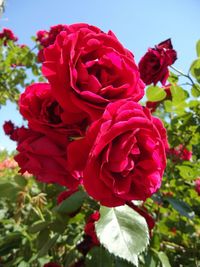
[
  {"x": 23, "y": 264},
  {"x": 198, "y": 48},
  {"x": 177, "y": 107},
  {"x": 122, "y": 263},
  {"x": 150, "y": 260},
  {"x": 164, "y": 259},
  {"x": 20, "y": 180},
  {"x": 123, "y": 232},
  {"x": 8, "y": 190},
  {"x": 196, "y": 90},
  {"x": 9, "y": 242},
  {"x": 195, "y": 69},
  {"x": 48, "y": 245},
  {"x": 38, "y": 226},
  {"x": 72, "y": 203},
  {"x": 173, "y": 78},
  {"x": 186, "y": 172},
  {"x": 182, "y": 207},
  {"x": 178, "y": 94},
  {"x": 155, "y": 93},
  {"x": 42, "y": 238},
  {"x": 98, "y": 257}
]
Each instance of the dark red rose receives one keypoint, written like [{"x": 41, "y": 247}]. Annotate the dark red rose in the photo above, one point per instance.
[
  {"x": 185, "y": 154},
  {"x": 42, "y": 37},
  {"x": 122, "y": 156},
  {"x": 90, "y": 227},
  {"x": 52, "y": 264},
  {"x": 197, "y": 186},
  {"x": 87, "y": 70},
  {"x": 179, "y": 153},
  {"x": 154, "y": 64},
  {"x": 43, "y": 113},
  {"x": 7, "y": 35},
  {"x": 152, "y": 106},
  {"x": 8, "y": 127},
  {"x": 45, "y": 159},
  {"x": 46, "y": 38}
]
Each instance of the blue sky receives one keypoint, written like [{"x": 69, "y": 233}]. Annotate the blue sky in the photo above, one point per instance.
[{"x": 137, "y": 24}]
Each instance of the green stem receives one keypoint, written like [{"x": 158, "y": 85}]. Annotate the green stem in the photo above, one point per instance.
[{"x": 185, "y": 75}]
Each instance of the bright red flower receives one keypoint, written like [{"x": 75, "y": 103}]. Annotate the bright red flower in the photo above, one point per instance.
[
  {"x": 179, "y": 153},
  {"x": 45, "y": 159},
  {"x": 46, "y": 38},
  {"x": 7, "y": 35},
  {"x": 87, "y": 70},
  {"x": 122, "y": 156},
  {"x": 154, "y": 64},
  {"x": 44, "y": 114}
]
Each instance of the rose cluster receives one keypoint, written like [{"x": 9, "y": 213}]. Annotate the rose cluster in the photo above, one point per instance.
[
  {"x": 7, "y": 35},
  {"x": 85, "y": 125}
]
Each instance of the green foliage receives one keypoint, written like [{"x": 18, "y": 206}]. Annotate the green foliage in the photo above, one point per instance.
[
  {"x": 126, "y": 232},
  {"x": 155, "y": 93},
  {"x": 98, "y": 257},
  {"x": 17, "y": 64}
]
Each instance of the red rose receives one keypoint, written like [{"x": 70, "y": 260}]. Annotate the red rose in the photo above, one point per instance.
[
  {"x": 179, "y": 153},
  {"x": 8, "y": 127},
  {"x": 42, "y": 37},
  {"x": 46, "y": 38},
  {"x": 122, "y": 155},
  {"x": 43, "y": 158},
  {"x": 87, "y": 70},
  {"x": 7, "y": 35},
  {"x": 44, "y": 113},
  {"x": 197, "y": 186},
  {"x": 90, "y": 227},
  {"x": 154, "y": 64},
  {"x": 152, "y": 105}
]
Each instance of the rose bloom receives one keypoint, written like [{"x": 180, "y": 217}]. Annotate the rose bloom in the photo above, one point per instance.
[
  {"x": 45, "y": 159},
  {"x": 44, "y": 114},
  {"x": 179, "y": 153},
  {"x": 8, "y": 127},
  {"x": 7, "y": 35},
  {"x": 90, "y": 227},
  {"x": 87, "y": 70},
  {"x": 46, "y": 38},
  {"x": 197, "y": 186},
  {"x": 122, "y": 156},
  {"x": 154, "y": 64}
]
